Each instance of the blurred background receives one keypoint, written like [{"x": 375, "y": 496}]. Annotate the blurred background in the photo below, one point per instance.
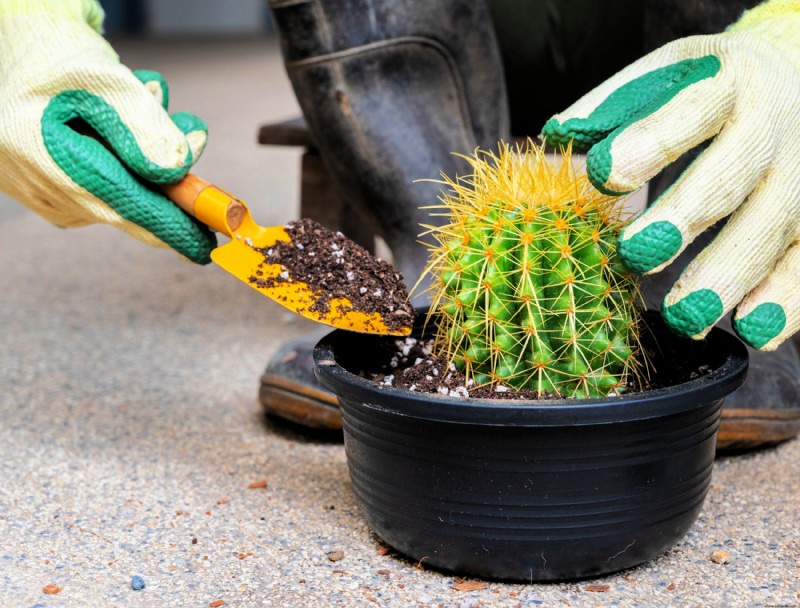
[{"x": 217, "y": 17}]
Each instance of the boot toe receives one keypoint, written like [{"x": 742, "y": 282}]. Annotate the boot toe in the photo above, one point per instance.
[
  {"x": 290, "y": 391},
  {"x": 766, "y": 409}
]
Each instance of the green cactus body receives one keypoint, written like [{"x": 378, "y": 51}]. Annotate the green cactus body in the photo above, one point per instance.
[{"x": 529, "y": 291}]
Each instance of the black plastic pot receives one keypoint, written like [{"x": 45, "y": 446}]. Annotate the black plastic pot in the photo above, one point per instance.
[{"x": 533, "y": 490}]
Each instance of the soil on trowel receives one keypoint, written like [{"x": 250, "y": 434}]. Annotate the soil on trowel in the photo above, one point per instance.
[{"x": 333, "y": 266}]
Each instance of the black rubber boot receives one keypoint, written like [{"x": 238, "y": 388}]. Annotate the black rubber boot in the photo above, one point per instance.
[
  {"x": 290, "y": 391},
  {"x": 390, "y": 90}
]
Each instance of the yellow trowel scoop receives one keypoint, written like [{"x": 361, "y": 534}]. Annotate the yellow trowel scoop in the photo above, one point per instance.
[{"x": 244, "y": 258}]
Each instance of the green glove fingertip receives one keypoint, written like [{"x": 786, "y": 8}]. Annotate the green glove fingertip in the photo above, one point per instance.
[
  {"x": 693, "y": 314},
  {"x": 559, "y": 135},
  {"x": 196, "y": 131},
  {"x": 156, "y": 84},
  {"x": 763, "y": 324},
  {"x": 650, "y": 247},
  {"x": 599, "y": 165}
]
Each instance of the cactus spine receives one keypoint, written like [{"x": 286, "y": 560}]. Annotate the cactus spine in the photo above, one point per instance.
[{"x": 528, "y": 288}]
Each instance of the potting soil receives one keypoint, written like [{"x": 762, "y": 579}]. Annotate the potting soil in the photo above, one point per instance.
[{"x": 334, "y": 267}]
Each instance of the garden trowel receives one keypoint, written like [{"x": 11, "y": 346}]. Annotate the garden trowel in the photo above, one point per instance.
[{"x": 244, "y": 258}]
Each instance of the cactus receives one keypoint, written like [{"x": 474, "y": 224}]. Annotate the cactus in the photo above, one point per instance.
[{"x": 528, "y": 290}]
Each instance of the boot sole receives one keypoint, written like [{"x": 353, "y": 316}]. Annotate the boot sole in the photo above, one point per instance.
[
  {"x": 740, "y": 429},
  {"x": 745, "y": 429},
  {"x": 299, "y": 403}
]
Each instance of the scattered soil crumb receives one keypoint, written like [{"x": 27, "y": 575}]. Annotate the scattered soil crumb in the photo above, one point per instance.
[
  {"x": 245, "y": 555},
  {"x": 383, "y": 572},
  {"x": 334, "y": 267},
  {"x": 384, "y": 550},
  {"x": 597, "y": 588},
  {"x": 51, "y": 589},
  {"x": 336, "y": 556},
  {"x": 701, "y": 371},
  {"x": 261, "y": 483},
  {"x": 720, "y": 557},
  {"x": 462, "y": 584},
  {"x": 223, "y": 500},
  {"x": 671, "y": 587},
  {"x": 216, "y": 603}
]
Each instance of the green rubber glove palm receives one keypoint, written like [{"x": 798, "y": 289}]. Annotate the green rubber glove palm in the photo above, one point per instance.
[
  {"x": 740, "y": 92},
  {"x": 60, "y": 80}
]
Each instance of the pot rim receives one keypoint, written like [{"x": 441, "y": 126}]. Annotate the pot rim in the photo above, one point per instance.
[{"x": 643, "y": 405}]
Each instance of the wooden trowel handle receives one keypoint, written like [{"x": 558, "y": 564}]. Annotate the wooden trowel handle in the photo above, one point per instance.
[{"x": 208, "y": 203}]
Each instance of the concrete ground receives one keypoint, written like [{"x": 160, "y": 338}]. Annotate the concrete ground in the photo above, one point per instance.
[{"x": 130, "y": 430}]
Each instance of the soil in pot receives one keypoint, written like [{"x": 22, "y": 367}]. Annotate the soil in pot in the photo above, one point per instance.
[{"x": 411, "y": 364}]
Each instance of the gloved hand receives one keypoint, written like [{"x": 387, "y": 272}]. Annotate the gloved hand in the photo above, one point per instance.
[
  {"x": 58, "y": 75},
  {"x": 739, "y": 90}
]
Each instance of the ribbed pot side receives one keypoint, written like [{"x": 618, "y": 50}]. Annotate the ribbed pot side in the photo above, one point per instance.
[
  {"x": 530, "y": 503},
  {"x": 534, "y": 490}
]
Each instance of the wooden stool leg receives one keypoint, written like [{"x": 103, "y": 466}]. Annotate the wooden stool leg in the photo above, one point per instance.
[{"x": 320, "y": 201}]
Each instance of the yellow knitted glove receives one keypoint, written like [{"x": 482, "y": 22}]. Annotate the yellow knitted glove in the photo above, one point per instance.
[
  {"x": 740, "y": 92},
  {"x": 62, "y": 92}
]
